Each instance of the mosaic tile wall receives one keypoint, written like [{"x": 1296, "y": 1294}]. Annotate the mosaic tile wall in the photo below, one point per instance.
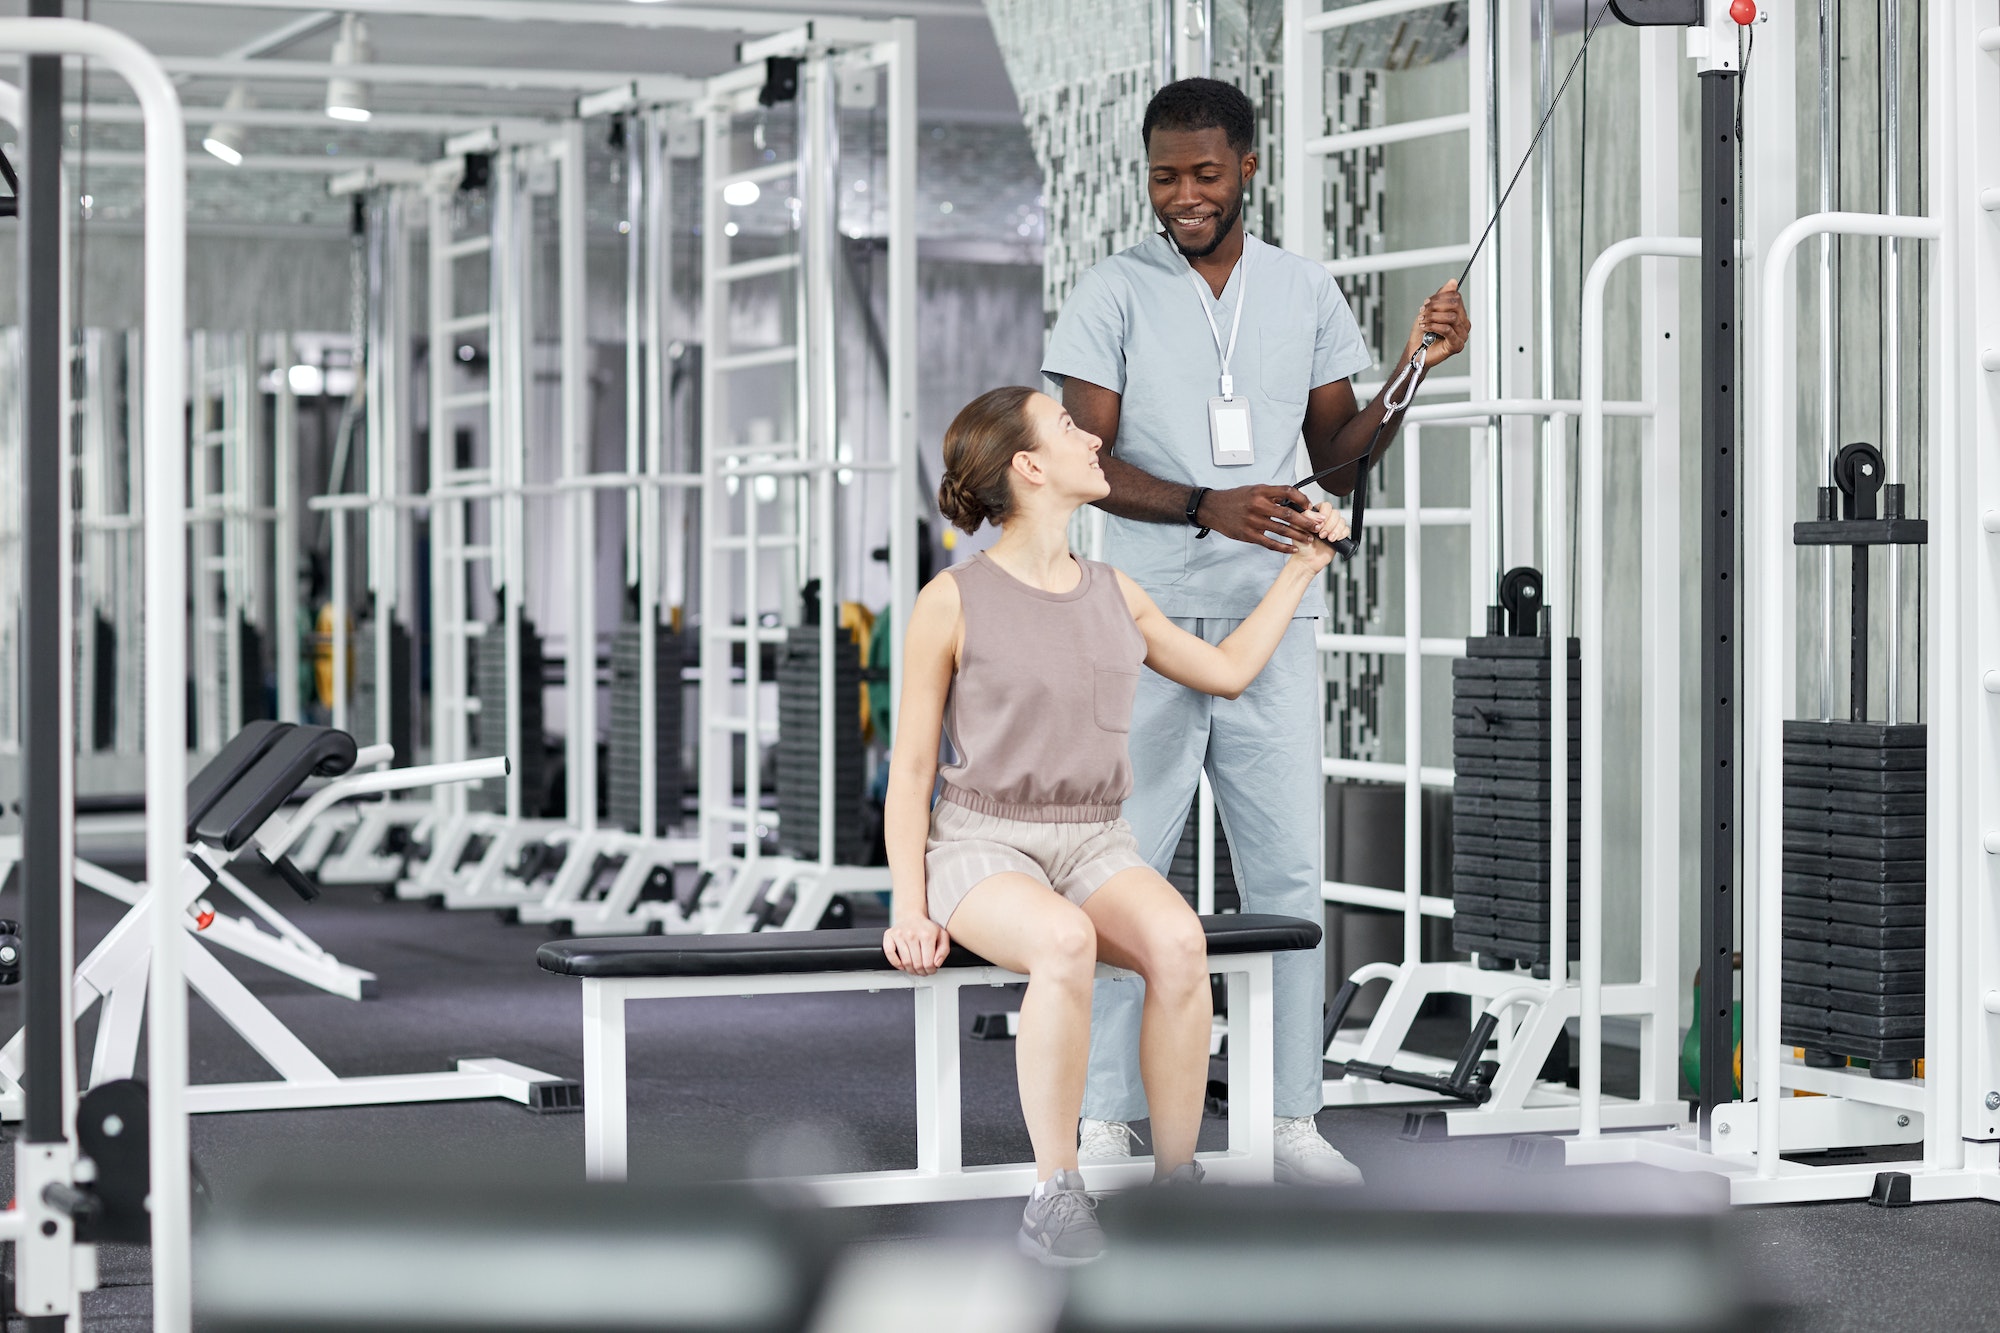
[{"x": 1082, "y": 101}]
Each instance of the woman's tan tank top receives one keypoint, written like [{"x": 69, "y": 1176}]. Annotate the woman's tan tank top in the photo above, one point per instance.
[{"x": 1041, "y": 703}]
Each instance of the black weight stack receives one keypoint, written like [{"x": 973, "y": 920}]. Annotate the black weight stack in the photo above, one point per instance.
[
  {"x": 253, "y": 678},
  {"x": 1502, "y": 692},
  {"x": 670, "y": 651},
  {"x": 798, "y": 748},
  {"x": 1501, "y": 859},
  {"x": 489, "y": 724},
  {"x": 1854, "y": 850},
  {"x": 1186, "y": 867},
  {"x": 368, "y": 690},
  {"x": 1853, "y": 983}
]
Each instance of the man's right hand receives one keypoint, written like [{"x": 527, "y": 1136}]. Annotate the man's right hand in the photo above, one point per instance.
[{"x": 1267, "y": 516}]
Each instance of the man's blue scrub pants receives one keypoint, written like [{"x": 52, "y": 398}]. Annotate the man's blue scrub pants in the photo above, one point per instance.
[{"x": 1263, "y": 753}]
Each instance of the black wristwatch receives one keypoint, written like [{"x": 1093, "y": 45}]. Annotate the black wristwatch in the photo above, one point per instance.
[{"x": 1193, "y": 508}]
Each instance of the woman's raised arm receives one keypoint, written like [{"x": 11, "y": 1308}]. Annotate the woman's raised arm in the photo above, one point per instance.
[{"x": 1227, "y": 668}]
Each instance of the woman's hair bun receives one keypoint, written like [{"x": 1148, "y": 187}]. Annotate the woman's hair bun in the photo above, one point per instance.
[
  {"x": 979, "y": 449},
  {"x": 958, "y": 504}
]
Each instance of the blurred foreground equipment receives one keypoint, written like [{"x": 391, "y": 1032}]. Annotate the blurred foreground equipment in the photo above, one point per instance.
[{"x": 408, "y": 1255}]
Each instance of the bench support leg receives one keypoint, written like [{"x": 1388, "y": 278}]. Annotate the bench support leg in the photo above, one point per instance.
[
  {"x": 604, "y": 1076},
  {"x": 1251, "y": 1064},
  {"x": 939, "y": 1128}
]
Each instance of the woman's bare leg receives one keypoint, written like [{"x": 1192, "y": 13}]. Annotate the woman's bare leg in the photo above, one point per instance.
[
  {"x": 1144, "y": 924},
  {"x": 1025, "y": 926}
]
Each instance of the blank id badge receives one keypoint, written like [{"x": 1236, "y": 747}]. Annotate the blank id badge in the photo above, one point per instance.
[{"x": 1229, "y": 432}]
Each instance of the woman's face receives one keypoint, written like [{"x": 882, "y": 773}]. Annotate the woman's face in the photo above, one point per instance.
[{"x": 1066, "y": 452}]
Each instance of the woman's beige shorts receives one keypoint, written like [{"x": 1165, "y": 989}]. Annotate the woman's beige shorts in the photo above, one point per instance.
[{"x": 966, "y": 847}]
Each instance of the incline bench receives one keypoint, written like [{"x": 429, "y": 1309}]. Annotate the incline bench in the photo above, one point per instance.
[{"x": 617, "y": 971}]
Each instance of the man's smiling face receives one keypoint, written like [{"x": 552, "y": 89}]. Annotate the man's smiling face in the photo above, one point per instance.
[{"x": 1196, "y": 181}]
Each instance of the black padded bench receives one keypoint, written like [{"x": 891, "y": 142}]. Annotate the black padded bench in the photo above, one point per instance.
[{"x": 617, "y": 971}]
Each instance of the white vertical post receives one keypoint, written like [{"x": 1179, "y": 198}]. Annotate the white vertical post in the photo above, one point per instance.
[
  {"x": 1251, "y": 1061},
  {"x": 716, "y": 748},
  {"x": 1508, "y": 261},
  {"x": 1557, "y": 606},
  {"x": 447, "y": 522},
  {"x": 1413, "y": 699},
  {"x": 939, "y": 1136},
  {"x": 1962, "y": 161},
  {"x": 513, "y": 242},
  {"x": 646, "y": 417},
  {"x": 341, "y": 643},
  {"x": 1660, "y": 566},
  {"x": 1771, "y": 112},
  {"x": 1660, "y": 558},
  {"x": 1305, "y": 115},
  {"x": 573, "y": 312},
  {"x": 285, "y": 534},
  {"x": 902, "y": 260},
  {"x": 819, "y": 421},
  {"x": 604, "y": 1111}
]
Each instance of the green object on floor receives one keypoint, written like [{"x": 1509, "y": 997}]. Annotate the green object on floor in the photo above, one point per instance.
[
  {"x": 1691, "y": 1045},
  {"x": 879, "y": 647}
]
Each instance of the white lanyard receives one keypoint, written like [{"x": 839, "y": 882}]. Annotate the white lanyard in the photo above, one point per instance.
[{"x": 1236, "y": 320}]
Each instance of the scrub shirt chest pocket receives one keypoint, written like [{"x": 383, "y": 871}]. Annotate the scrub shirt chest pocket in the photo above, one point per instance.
[{"x": 1284, "y": 365}]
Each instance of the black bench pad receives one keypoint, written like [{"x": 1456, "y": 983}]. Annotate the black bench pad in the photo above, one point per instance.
[{"x": 783, "y": 952}]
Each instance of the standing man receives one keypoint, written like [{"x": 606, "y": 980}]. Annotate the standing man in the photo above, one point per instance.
[{"x": 1199, "y": 356}]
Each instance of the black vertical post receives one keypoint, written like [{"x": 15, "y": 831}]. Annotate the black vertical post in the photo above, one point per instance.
[
  {"x": 44, "y": 728},
  {"x": 1718, "y": 583}
]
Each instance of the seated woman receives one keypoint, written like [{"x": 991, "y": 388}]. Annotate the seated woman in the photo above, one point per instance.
[{"x": 1028, "y": 657}]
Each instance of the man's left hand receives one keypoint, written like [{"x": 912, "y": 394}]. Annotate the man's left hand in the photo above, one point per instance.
[{"x": 1444, "y": 314}]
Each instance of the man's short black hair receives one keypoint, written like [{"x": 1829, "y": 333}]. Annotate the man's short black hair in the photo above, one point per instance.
[{"x": 1202, "y": 104}]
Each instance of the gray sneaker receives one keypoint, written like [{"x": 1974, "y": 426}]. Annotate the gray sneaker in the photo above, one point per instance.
[
  {"x": 1187, "y": 1173},
  {"x": 1059, "y": 1226}
]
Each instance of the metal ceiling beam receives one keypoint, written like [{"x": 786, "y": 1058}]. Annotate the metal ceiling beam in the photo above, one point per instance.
[
  {"x": 736, "y": 18},
  {"x": 306, "y": 25},
  {"x": 392, "y": 122},
  {"x": 743, "y": 20},
  {"x": 303, "y": 165},
  {"x": 467, "y": 76}
]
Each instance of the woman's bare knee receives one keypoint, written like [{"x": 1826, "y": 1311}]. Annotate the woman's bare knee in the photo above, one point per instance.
[
  {"x": 1069, "y": 951},
  {"x": 1176, "y": 958}
]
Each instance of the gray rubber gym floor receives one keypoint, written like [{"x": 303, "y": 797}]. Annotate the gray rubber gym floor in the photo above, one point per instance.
[{"x": 767, "y": 1086}]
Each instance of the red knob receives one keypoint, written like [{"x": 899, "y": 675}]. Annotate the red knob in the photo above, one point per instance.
[
  {"x": 1744, "y": 12},
  {"x": 204, "y": 917}
]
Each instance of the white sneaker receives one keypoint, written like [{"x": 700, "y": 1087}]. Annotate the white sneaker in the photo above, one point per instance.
[
  {"x": 1304, "y": 1158},
  {"x": 1103, "y": 1140}
]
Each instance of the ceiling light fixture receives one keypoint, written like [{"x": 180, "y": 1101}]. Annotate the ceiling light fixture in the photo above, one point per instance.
[
  {"x": 347, "y": 98},
  {"x": 741, "y": 194},
  {"x": 226, "y": 137}
]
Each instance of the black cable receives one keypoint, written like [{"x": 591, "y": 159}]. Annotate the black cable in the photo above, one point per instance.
[
  {"x": 1582, "y": 222},
  {"x": 76, "y": 313},
  {"x": 1348, "y": 545}
]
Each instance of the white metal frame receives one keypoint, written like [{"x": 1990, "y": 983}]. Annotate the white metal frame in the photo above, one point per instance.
[
  {"x": 47, "y": 1267},
  {"x": 1497, "y": 115},
  {"x": 223, "y": 515},
  {"x": 810, "y": 462},
  {"x": 1951, "y": 1107},
  {"x": 573, "y": 899},
  {"x": 115, "y": 974},
  {"x": 940, "y": 1174},
  {"x": 277, "y": 942}
]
